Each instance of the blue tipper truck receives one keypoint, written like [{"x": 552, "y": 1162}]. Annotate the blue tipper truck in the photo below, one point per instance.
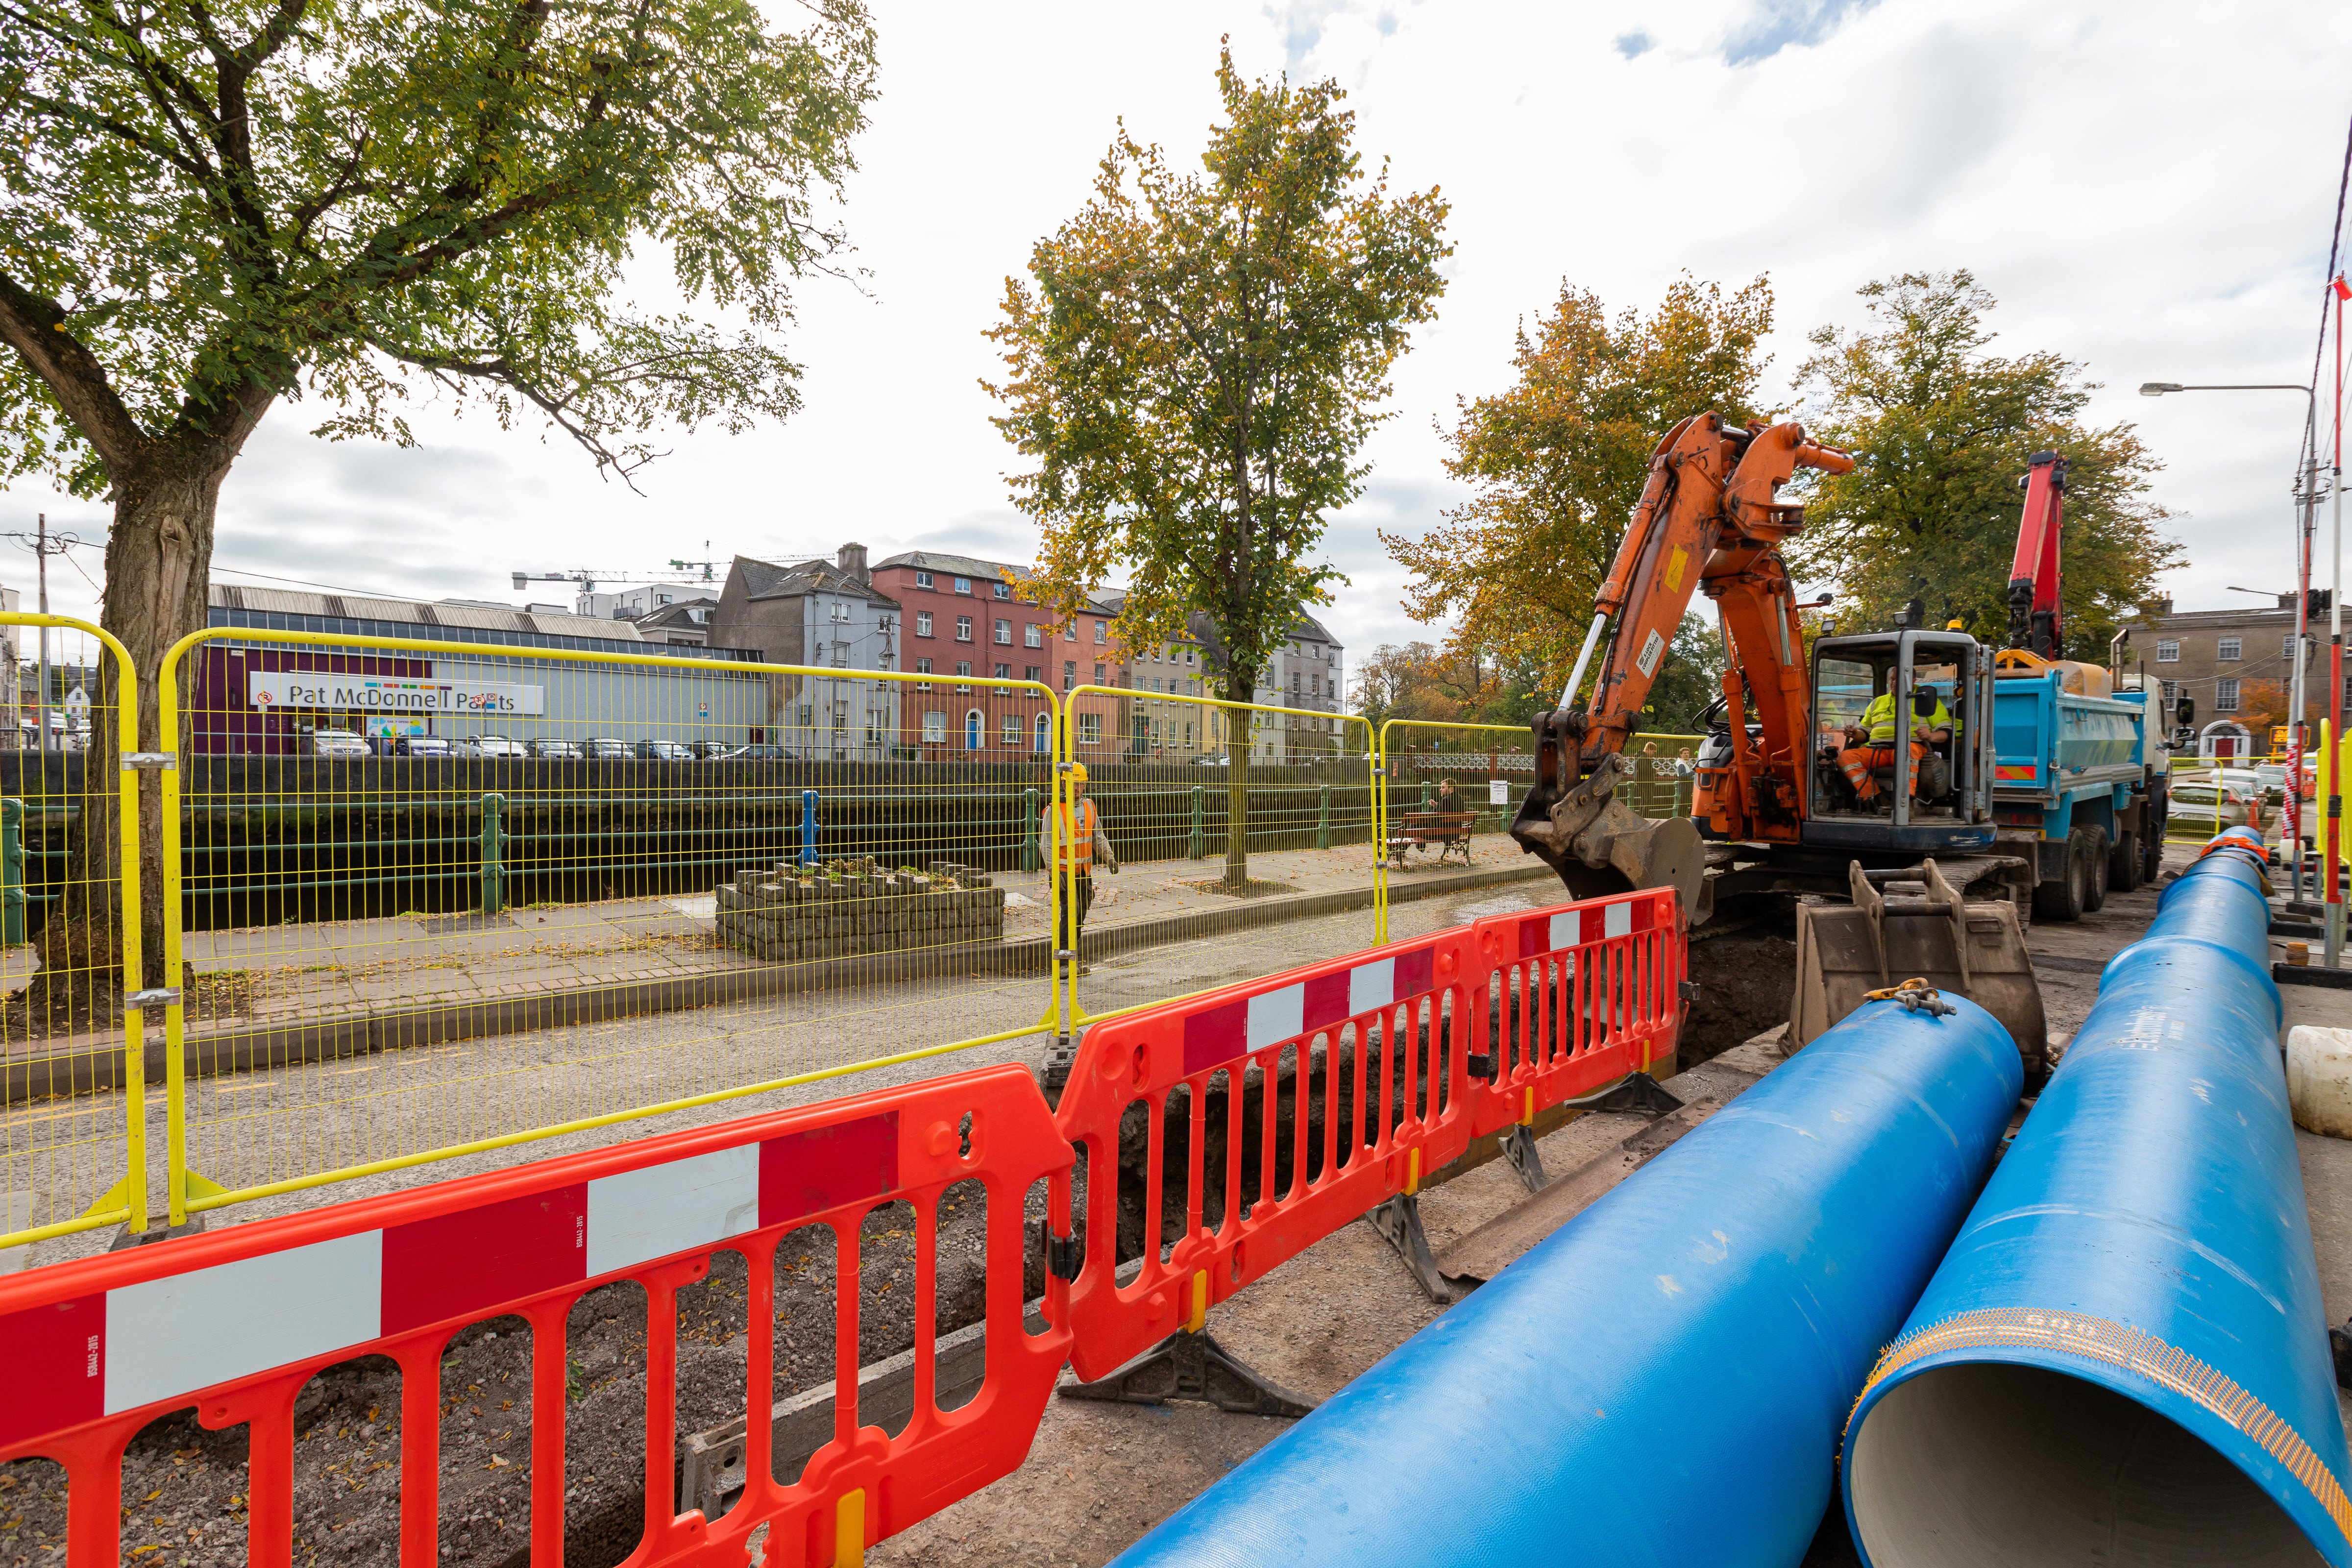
[{"x": 2078, "y": 782}]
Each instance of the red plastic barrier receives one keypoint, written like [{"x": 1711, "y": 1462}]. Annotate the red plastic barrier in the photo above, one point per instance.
[
  {"x": 1596, "y": 989},
  {"x": 1588, "y": 993},
  {"x": 235, "y": 1321}
]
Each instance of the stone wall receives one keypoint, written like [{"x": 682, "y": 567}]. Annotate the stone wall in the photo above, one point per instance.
[{"x": 847, "y": 909}]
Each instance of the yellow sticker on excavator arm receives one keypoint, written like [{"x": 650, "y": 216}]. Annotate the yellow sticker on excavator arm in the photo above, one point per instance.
[{"x": 1674, "y": 568}]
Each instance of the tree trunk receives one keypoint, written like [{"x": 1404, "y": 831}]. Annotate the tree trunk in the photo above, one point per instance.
[
  {"x": 1239, "y": 739},
  {"x": 158, "y": 562}
]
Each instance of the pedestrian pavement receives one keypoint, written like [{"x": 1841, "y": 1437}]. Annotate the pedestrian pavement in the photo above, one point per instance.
[{"x": 320, "y": 972}]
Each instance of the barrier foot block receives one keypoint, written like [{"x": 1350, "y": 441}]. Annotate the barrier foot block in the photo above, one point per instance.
[
  {"x": 1399, "y": 1223},
  {"x": 1189, "y": 1366},
  {"x": 1637, "y": 1091},
  {"x": 1518, "y": 1147}
]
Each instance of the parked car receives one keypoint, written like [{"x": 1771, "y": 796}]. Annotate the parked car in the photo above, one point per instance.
[
  {"x": 345, "y": 743},
  {"x": 709, "y": 750},
  {"x": 1219, "y": 761},
  {"x": 547, "y": 746},
  {"x": 490, "y": 746},
  {"x": 662, "y": 751},
  {"x": 757, "y": 754},
  {"x": 422, "y": 746},
  {"x": 604, "y": 746},
  {"x": 2211, "y": 807}
]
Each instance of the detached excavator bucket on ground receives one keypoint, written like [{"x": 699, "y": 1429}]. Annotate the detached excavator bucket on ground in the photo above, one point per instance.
[{"x": 1976, "y": 951}]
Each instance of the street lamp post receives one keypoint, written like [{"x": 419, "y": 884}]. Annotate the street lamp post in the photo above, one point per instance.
[{"x": 2302, "y": 635}]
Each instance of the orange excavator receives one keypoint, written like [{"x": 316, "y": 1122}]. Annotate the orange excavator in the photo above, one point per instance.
[{"x": 1769, "y": 794}]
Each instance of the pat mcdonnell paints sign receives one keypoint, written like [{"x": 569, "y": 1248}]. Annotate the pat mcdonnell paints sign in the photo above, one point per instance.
[{"x": 391, "y": 695}]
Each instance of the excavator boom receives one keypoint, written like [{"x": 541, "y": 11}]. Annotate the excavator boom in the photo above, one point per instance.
[
  {"x": 1710, "y": 513},
  {"x": 2035, "y": 618}
]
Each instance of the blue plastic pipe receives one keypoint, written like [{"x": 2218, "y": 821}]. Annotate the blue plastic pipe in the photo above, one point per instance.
[
  {"x": 1663, "y": 1380},
  {"x": 2123, "y": 1360}
]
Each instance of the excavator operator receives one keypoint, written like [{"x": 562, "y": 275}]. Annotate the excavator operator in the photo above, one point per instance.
[{"x": 1870, "y": 745}]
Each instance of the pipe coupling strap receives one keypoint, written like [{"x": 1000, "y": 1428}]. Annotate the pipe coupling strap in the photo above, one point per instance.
[
  {"x": 2145, "y": 1355},
  {"x": 133, "y": 761},
  {"x": 1916, "y": 997}
]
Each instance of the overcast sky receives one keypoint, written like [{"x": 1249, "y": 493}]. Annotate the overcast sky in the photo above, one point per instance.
[{"x": 2148, "y": 188}]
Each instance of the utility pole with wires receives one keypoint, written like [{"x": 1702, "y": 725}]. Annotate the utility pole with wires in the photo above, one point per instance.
[{"x": 44, "y": 544}]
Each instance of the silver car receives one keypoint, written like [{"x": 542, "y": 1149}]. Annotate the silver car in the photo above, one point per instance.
[
  {"x": 489, "y": 746},
  {"x": 346, "y": 744}
]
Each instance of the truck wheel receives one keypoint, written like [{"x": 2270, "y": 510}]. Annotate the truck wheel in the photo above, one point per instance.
[
  {"x": 2122, "y": 864},
  {"x": 2062, "y": 899},
  {"x": 2151, "y": 852},
  {"x": 2094, "y": 869}
]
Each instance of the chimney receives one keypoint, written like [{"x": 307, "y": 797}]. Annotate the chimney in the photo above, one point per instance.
[{"x": 853, "y": 562}]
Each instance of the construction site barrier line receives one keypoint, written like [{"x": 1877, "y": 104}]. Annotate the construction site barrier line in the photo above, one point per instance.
[
  {"x": 1420, "y": 1048},
  {"x": 237, "y": 1322}
]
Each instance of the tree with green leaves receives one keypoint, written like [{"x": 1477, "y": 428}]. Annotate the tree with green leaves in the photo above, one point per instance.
[
  {"x": 1558, "y": 458},
  {"x": 216, "y": 208},
  {"x": 1942, "y": 433},
  {"x": 1194, "y": 366}
]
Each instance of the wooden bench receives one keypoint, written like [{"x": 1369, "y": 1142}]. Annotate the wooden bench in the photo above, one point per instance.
[{"x": 1445, "y": 831}]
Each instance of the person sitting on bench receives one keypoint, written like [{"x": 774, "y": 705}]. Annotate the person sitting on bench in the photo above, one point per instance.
[{"x": 1871, "y": 746}]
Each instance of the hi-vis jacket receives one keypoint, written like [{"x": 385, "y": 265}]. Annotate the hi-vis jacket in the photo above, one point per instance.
[{"x": 1077, "y": 833}]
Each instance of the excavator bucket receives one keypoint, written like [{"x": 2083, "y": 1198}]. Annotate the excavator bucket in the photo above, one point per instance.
[
  {"x": 1976, "y": 951},
  {"x": 1599, "y": 845}
]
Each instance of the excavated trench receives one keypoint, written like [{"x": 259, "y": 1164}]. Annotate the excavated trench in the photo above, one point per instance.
[{"x": 184, "y": 1487}]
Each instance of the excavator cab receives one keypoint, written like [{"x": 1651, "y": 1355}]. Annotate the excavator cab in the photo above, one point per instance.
[{"x": 1902, "y": 744}]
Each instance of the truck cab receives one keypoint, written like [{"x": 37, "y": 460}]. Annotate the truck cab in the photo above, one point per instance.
[{"x": 1921, "y": 669}]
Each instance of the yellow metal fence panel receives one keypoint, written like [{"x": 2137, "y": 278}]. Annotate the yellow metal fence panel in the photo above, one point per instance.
[
  {"x": 447, "y": 897},
  {"x": 73, "y": 1117},
  {"x": 1244, "y": 833}
]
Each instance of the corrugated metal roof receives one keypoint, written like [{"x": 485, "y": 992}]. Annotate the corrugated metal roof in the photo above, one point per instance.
[
  {"x": 360, "y": 609},
  {"x": 276, "y": 600},
  {"x": 467, "y": 615}
]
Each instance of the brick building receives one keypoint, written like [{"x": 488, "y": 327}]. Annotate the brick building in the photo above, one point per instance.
[
  {"x": 966, "y": 620},
  {"x": 2236, "y": 667}
]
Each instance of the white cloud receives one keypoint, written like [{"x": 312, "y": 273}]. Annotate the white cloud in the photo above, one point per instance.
[{"x": 2146, "y": 191}]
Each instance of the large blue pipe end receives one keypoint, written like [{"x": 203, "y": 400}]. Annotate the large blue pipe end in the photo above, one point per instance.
[
  {"x": 2123, "y": 1360},
  {"x": 1663, "y": 1380}
]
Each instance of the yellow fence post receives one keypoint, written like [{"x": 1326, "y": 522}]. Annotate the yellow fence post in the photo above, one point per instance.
[{"x": 124, "y": 1201}]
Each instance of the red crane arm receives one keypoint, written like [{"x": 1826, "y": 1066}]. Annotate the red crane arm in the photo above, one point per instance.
[{"x": 2036, "y": 619}]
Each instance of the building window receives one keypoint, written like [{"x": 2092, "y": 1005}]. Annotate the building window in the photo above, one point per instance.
[
  {"x": 876, "y": 720},
  {"x": 963, "y": 628},
  {"x": 964, "y": 584},
  {"x": 1089, "y": 728},
  {"x": 963, "y": 672},
  {"x": 808, "y": 715},
  {"x": 840, "y": 608},
  {"x": 1005, "y": 632},
  {"x": 1035, "y": 636},
  {"x": 935, "y": 727},
  {"x": 2227, "y": 650},
  {"x": 1098, "y": 673},
  {"x": 923, "y": 623},
  {"x": 2167, "y": 651},
  {"x": 975, "y": 729},
  {"x": 1004, "y": 672},
  {"x": 922, "y": 579},
  {"x": 841, "y": 656},
  {"x": 2225, "y": 696},
  {"x": 1069, "y": 673},
  {"x": 2172, "y": 691},
  {"x": 1102, "y": 633},
  {"x": 1045, "y": 732},
  {"x": 922, "y": 667},
  {"x": 841, "y": 712},
  {"x": 1033, "y": 672},
  {"x": 1001, "y": 590},
  {"x": 1012, "y": 730},
  {"x": 1070, "y": 632}
]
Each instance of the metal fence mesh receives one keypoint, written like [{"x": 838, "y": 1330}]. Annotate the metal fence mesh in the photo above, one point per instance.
[
  {"x": 68, "y": 1133},
  {"x": 456, "y": 898}
]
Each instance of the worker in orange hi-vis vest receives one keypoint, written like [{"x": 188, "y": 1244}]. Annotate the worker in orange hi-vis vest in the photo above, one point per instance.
[{"x": 1070, "y": 839}]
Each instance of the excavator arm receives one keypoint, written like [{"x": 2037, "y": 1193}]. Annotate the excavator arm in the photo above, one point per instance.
[{"x": 1709, "y": 513}]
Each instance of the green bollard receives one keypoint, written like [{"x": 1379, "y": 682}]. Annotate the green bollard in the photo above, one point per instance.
[
  {"x": 1323, "y": 820},
  {"x": 494, "y": 845},
  {"x": 12, "y": 873},
  {"x": 1198, "y": 845},
  {"x": 1033, "y": 813},
  {"x": 1424, "y": 794}
]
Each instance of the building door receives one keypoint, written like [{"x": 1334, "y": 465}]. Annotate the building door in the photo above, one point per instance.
[
  {"x": 1045, "y": 732},
  {"x": 972, "y": 731}
]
